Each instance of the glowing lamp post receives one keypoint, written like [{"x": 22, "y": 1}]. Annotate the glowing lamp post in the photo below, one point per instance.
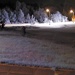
[
  {"x": 73, "y": 17},
  {"x": 48, "y": 12},
  {"x": 71, "y": 11}
]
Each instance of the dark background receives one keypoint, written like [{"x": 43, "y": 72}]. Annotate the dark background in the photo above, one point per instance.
[
  {"x": 39, "y": 2},
  {"x": 62, "y": 5}
]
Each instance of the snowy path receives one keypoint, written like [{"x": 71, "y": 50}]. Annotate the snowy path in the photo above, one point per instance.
[{"x": 43, "y": 47}]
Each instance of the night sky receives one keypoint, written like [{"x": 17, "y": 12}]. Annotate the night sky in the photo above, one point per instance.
[
  {"x": 54, "y": 2},
  {"x": 44, "y": 2},
  {"x": 40, "y": 3},
  {"x": 31, "y": 1},
  {"x": 57, "y": 3}
]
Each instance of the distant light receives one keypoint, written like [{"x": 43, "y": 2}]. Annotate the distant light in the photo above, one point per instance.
[
  {"x": 71, "y": 11},
  {"x": 47, "y": 10},
  {"x": 73, "y": 18}
]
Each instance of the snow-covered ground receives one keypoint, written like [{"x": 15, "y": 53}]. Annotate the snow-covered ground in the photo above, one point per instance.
[
  {"x": 44, "y": 25},
  {"x": 53, "y": 47}
]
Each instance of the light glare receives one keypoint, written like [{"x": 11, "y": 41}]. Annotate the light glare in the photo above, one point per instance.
[
  {"x": 47, "y": 10},
  {"x": 71, "y": 11}
]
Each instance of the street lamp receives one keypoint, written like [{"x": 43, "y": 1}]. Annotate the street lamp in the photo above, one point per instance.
[
  {"x": 73, "y": 17},
  {"x": 71, "y": 11},
  {"x": 48, "y": 12}
]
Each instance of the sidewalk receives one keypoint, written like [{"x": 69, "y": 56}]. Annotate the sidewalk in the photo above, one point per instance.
[{"x": 8, "y": 69}]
